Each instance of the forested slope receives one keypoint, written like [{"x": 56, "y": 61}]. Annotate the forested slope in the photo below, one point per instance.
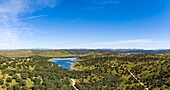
[
  {"x": 71, "y": 52},
  {"x": 124, "y": 72},
  {"x": 94, "y": 72},
  {"x": 32, "y": 73}
]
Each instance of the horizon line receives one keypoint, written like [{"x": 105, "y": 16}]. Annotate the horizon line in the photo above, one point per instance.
[{"x": 84, "y": 49}]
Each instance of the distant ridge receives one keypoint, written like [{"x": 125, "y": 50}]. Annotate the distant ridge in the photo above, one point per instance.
[{"x": 72, "y": 52}]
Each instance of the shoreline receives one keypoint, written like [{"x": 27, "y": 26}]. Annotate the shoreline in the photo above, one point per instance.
[
  {"x": 50, "y": 59},
  {"x": 72, "y": 66},
  {"x": 64, "y": 57}
]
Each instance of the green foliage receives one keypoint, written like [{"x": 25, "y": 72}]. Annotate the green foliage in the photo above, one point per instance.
[
  {"x": 112, "y": 71},
  {"x": 1, "y": 81},
  {"x": 24, "y": 76},
  {"x": 8, "y": 79},
  {"x": 22, "y": 83},
  {"x": 10, "y": 88},
  {"x": 26, "y": 88},
  {"x": 33, "y": 72},
  {"x": 15, "y": 77},
  {"x": 16, "y": 87},
  {"x": 94, "y": 72},
  {"x": 7, "y": 84}
]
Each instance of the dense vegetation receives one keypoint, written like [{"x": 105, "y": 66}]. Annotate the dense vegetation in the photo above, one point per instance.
[
  {"x": 94, "y": 72},
  {"x": 27, "y": 53},
  {"x": 71, "y": 52},
  {"x": 32, "y": 73},
  {"x": 110, "y": 72}
]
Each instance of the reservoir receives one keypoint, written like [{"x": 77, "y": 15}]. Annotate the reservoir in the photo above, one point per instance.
[{"x": 64, "y": 62}]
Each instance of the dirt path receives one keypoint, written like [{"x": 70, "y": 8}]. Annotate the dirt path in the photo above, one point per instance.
[
  {"x": 133, "y": 77},
  {"x": 137, "y": 79},
  {"x": 74, "y": 83},
  {"x": 51, "y": 65}
]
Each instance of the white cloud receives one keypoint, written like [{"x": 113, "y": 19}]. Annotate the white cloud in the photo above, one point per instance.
[
  {"x": 141, "y": 43},
  {"x": 94, "y": 8},
  {"x": 32, "y": 17},
  {"x": 104, "y": 2},
  {"x": 11, "y": 26},
  {"x": 100, "y": 4}
]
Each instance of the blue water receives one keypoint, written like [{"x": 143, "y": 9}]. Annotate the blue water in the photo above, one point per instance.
[{"x": 64, "y": 62}]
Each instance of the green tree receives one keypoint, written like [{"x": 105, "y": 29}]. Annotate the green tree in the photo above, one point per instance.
[
  {"x": 8, "y": 79},
  {"x": 22, "y": 83},
  {"x": 1, "y": 81}
]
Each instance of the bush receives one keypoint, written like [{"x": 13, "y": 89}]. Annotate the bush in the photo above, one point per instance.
[
  {"x": 8, "y": 79},
  {"x": 18, "y": 80},
  {"x": 10, "y": 88},
  {"x": 35, "y": 87},
  {"x": 4, "y": 71},
  {"x": 11, "y": 73},
  {"x": 37, "y": 81},
  {"x": 3, "y": 86},
  {"x": 16, "y": 87},
  {"x": 24, "y": 76},
  {"x": 1, "y": 81},
  {"x": 25, "y": 88},
  {"x": 15, "y": 77},
  {"x": 7, "y": 84},
  {"x": 22, "y": 83}
]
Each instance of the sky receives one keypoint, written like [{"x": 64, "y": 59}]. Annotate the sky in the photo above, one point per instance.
[{"x": 90, "y": 24}]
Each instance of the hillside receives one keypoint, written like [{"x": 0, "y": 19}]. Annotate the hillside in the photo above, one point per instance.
[
  {"x": 71, "y": 52},
  {"x": 34, "y": 73},
  {"x": 27, "y": 53},
  {"x": 124, "y": 72},
  {"x": 93, "y": 72}
]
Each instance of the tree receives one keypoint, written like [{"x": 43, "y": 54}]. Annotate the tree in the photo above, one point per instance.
[
  {"x": 35, "y": 87},
  {"x": 16, "y": 87},
  {"x": 7, "y": 84},
  {"x": 8, "y": 79},
  {"x": 10, "y": 88},
  {"x": 1, "y": 81},
  {"x": 24, "y": 76},
  {"x": 15, "y": 77},
  {"x": 37, "y": 81},
  {"x": 25, "y": 88},
  {"x": 22, "y": 83}
]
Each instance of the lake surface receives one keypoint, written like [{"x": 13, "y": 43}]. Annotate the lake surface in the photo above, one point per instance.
[{"x": 64, "y": 62}]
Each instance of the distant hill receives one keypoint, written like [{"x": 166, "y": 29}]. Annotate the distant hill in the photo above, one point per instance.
[
  {"x": 26, "y": 53},
  {"x": 71, "y": 52}
]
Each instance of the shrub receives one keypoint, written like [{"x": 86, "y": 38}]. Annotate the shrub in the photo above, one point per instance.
[
  {"x": 24, "y": 76},
  {"x": 3, "y": 86},
  {"x": 25, "y": 88},
  {"x": 10, "y": 88},
  {"x": 15, "y": 77},
  {"x": 1, "y": 81},
  {"x": 16, "y": 87},
  {"x": 22, "y": 83},
  {"x": 8, "y": 79},
  {"x": 7, "y": 84}
]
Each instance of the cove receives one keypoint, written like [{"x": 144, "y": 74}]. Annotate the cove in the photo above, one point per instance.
[{"x": 64, "y": 62}]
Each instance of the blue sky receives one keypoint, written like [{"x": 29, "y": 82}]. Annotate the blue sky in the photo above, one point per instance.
[{"x": 66, "y": 24}]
